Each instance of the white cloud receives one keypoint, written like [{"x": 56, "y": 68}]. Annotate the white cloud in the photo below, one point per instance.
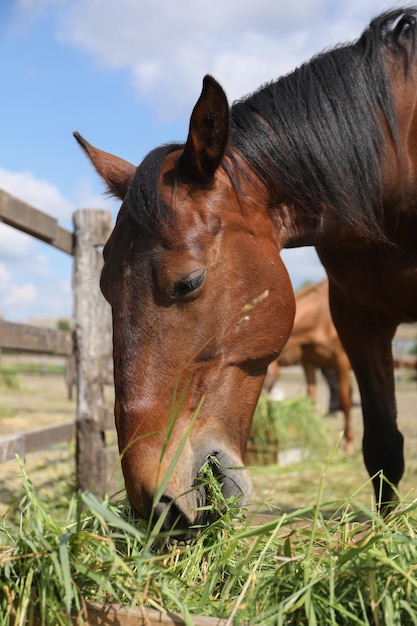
[
  {"x": 39, "y": 193},
  {"x": 33, "y": 279},
  {"x": 84, "y": 196},
  {"x": 36, "y": 5},
  {"x": 14, "y": 245},
  {"x": 32, "y": 287},
  {"x": 28, "y": 279},
  {"x": 20, "y": 296},
  {"x": 27, "y": 12},
  {"x": 168, "y": 47},
  {"x": 4, "y": 276},
  {"x": 14, "y": 298},
  {"x": 46, "y": 197}
]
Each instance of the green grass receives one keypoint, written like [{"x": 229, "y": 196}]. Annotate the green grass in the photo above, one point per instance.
[
  {"x": 9, "y": 376},
  {"x": 287, "y": 422},
  {"x": 7, "y": 412},
  {"x": 299, "y": 568},
  {"x": 32, "y": 368}
]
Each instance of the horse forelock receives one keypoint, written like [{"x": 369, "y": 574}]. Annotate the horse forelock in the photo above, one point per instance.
[
  {"x": 316, "y": 133},
  {"x": 143, "y": 200}
]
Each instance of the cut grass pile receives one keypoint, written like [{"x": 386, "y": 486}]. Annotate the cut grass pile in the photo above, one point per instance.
[
  {"x": 287, "y": 422},
  {"x": 298, "y": 568}
]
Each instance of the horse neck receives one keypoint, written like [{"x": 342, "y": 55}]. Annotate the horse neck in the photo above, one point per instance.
[
  {"x": 321, "y": 188},
  {"x": 295, "y": 227}
]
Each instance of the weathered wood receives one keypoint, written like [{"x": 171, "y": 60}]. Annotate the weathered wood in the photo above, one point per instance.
[
  {"x": 70, "y": 374},
  {"x": 114, "y": 476},
  {"x": 92, "y": 341},
  {"x": 107, "y": 417},
  {"x": 116, "y": 615},
  {"x": 33, "y": 440},
  {"x": 24, "y": 338},
  {"x": 26, "y": 218}
]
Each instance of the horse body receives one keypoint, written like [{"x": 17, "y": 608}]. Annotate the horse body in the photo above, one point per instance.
[
  {"x": 314, "y": 342},
  {"x": 200, "y": 297}
]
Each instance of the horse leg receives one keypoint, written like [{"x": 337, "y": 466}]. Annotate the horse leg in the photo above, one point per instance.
[
  {"x": 345, "y": 396},
  {"x": 310, "y": 376},
  {"x": 332, "y": 382},
  {"x": 367, "y": 337},
  {"x": 272, "y": 375}
]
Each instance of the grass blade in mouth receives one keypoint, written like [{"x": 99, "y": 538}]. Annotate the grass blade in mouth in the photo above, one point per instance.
[{"x": 209, "y": 482}]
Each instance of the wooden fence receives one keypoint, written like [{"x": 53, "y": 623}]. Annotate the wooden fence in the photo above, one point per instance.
[{"x": 90, "y": 340}]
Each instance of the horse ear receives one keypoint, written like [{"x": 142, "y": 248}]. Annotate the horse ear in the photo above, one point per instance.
[
  {"x": 208, "y": 134},
  {"x": 116, "y": 172}
]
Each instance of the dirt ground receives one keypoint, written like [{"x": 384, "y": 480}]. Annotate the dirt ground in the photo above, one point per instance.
[{"x": 42, "y": 400}]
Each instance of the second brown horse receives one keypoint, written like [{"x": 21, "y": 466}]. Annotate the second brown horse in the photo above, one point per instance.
[{"x": 314, "y": 343}]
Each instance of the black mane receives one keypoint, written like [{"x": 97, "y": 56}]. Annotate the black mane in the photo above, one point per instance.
[
  {"x": 315, "y": 134},
  {"x": 143, "y": 200}
]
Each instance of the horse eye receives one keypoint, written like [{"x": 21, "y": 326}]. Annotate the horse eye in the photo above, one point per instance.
[{"x": 188, "y": 284}]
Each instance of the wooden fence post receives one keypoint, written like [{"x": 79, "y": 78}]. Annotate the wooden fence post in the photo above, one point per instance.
[{"x": 92, "y": 344}]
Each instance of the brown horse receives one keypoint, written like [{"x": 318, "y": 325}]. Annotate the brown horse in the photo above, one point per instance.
[
  {"x": 314, "y": 343},
  {"x": 201, "y": 300}
]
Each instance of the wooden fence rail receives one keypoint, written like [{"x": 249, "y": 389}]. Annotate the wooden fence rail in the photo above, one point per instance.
[
  {"x": 23, "y": 443},
  {"x": 114, "y": 614},
  {"x": 29, "y": 220},
  {"x": 24, "y": 338}
]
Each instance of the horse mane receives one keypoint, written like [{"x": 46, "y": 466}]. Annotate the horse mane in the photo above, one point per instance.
[
  {"x": 315, "y": 135},
  {"x": 143, "y": 199}
]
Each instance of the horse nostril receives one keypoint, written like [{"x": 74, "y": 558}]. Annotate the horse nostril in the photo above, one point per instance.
[
  {"x": 163, "y": 511},
  {"x": 170, "y": 516}
]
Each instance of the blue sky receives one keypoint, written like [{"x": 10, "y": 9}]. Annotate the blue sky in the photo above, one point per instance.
[{"x": 126, "y": 74}]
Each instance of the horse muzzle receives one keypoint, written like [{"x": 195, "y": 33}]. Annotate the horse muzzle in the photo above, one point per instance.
[
  {"x": 193, "y": 493},
  {"x": 219, "y": 480}
]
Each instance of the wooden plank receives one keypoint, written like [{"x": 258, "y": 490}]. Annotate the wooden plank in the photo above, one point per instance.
[
  {"x": 26, "y": 218},
  {"x": 25, "y": 338},
  {"x": 114, "y": 614},
  {"x": 33, "y": 440}
]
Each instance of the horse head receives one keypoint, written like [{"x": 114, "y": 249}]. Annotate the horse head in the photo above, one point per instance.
[{"x": 201, "y": 304}]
